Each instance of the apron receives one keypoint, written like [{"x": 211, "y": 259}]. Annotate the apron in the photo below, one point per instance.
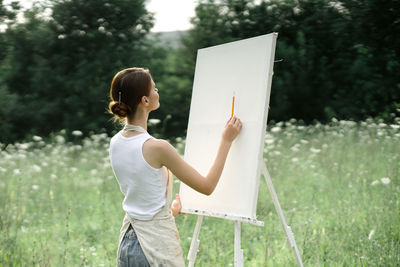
[{"x": 158, "y": 237}]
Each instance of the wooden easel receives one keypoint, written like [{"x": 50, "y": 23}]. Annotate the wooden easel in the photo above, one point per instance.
[{"x": 238, "y": 256}]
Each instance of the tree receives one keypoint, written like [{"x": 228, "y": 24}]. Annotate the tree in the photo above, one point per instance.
[
  {"x": 337, "y": 61},
  {"x": 61, "y": 66}
]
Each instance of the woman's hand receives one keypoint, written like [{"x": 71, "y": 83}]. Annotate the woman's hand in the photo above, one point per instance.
[
  {"x": 176, "y": 205},
  {"x": 232, "y": 128}
]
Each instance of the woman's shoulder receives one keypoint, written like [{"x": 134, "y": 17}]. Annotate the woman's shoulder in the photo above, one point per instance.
[
  {"x": 158, "y": 144},
  {"x": 156, "y": 150}
]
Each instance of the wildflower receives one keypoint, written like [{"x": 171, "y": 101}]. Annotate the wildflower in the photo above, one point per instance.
[
  {"x": 154, "y": 121},
  {"x": 304, "y": 141},
  {"x": 395, "y": 126},
  {"x": 77, "y": 133},
  {"x": 53, "y": 176},
  {"x": 295, "y": 159},
  {"x": 35, "y": 187},
  {"x": 269, "y": 141},
  {"x": 385, "y": 180},
  {"x": 17, "y": 172},
  {"x": 315, "y": 150},
  {"x": 295, "y": 148},
  {"x": 276, "y": 129},
  {"x": 60, "y": 139},
  {"x": 73, "y": 169},
  {"x": 371, "y": 234},
  {"x": 37, "y": 138},
  {"x": 24, "y": 146},
  {"x": 375, "y": 182},
  {"x": 36, "y": 168}
]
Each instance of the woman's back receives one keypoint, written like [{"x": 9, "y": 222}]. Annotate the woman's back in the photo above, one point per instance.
[{"x": 143, "y": 186}]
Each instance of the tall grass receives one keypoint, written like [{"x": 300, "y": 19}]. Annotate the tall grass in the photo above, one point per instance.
[{"x": 338, "y": 185}]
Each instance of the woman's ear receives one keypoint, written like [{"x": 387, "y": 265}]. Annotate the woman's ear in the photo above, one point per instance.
[{"x": 144, "y": 100}]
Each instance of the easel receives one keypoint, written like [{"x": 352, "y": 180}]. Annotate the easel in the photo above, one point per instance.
[{"x": 238, "y": 252}]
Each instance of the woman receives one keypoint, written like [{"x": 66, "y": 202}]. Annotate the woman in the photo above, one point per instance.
[{"x": 140, "y": 163}]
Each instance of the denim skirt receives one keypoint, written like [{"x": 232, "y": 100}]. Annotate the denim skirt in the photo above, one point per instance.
[{"x": 131, "y": 253}]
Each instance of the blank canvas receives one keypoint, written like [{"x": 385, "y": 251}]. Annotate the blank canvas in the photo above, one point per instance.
[{"x": 243, "y": 68}]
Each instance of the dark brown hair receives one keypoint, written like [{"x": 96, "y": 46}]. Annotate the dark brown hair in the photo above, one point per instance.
[{"x": 127, "y": 89}]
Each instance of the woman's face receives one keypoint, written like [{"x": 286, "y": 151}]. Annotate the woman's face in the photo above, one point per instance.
[{"x": 154, "y": 97}]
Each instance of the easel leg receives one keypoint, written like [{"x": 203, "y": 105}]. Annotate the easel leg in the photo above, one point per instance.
[
  {"x": 194, "y": 246},
  {"x": 238, "y": 260},
  {"x": 286, "y": 228}
]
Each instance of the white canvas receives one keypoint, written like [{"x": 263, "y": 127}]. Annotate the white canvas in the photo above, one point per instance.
[{"x": 243, "y": 68}]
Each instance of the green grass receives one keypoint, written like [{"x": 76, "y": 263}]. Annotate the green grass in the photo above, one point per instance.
[{"x": 60, "y": 204}]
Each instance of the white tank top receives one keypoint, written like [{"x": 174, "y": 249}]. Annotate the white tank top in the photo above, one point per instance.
[{"x": 143, "y": 186}]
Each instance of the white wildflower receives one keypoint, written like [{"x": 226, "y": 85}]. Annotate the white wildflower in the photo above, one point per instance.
[
  {"x": 23, "y": 146},
  {"x": 24, "y": 230},
  {"x": 304, "y": 141},
  {"x": 93, "y": 172},
  {"x": 154, "y": 121},
  {"x": 295, "y": 159},
  {"x": 36, "y": 168},
  {"x": 371, "y": 234},
  {"x": 73, "y": 169},
  {"x": 60, "y": 139},
  {"x": 385, "y": 180},
  {"x": 395, "y": 126},
  {"x": 315, "y": 150},
  {"x": 276, "y": 129},
  {"x": 37, "y": 138},
  {"x": 2, "y": 169},
  {"x": 17, "y": 172},
  {"x": 77, "y": 133},
  {"x": 375, "y": 182},
  {"x": 35, "y": 187},
  {"x": 269, "y": 141},
  {"x": 53, "y": 176},
  {"x": 295, "y": 148}
]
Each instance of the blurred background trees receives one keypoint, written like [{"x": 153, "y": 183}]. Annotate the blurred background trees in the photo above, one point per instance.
[{"x": 340, "y": 59}]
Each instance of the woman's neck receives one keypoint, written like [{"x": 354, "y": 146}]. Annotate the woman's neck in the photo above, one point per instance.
[{"x": 139, "y": 118}]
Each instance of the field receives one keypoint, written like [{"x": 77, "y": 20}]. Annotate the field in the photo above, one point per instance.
[{"x": 338, "y": 185}]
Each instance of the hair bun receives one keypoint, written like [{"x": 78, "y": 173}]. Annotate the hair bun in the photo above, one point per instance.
[{"x": 120, "y": 109}]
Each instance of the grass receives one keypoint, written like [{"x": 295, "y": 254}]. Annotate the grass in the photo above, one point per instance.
[{"x": 338, "y": 185}]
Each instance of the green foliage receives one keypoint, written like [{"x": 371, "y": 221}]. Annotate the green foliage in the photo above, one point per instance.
[
  {"x": 337, "y": 60},
  {"x": 61, "y": 66}
]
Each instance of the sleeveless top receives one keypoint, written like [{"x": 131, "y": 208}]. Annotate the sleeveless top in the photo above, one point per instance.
[{"x": 143, "y": 186}]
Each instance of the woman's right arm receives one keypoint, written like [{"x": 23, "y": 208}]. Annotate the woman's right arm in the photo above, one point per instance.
[{"x": 169, "y": 157}]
